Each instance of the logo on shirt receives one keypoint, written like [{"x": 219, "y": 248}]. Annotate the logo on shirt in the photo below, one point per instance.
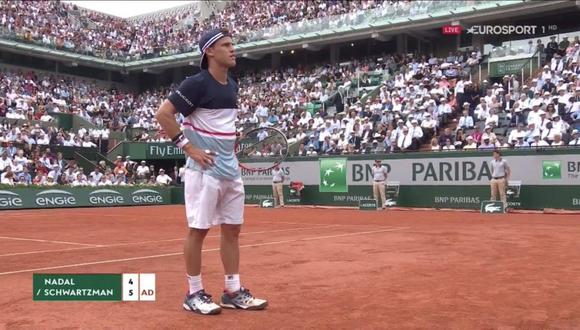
[
  {"x": 551, "y": 169},
  {"x": 146, "y": 196},
  {"x": 9, "y": 199},
  {"x": 106, "y": 196},
  {"x": 333, "y": 175}
]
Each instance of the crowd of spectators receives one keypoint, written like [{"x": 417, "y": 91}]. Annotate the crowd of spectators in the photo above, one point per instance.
[
  {"x": 418, "y": 97},
  {"x": 40, "y": 166},
  {"x": 66, "y": 26}
]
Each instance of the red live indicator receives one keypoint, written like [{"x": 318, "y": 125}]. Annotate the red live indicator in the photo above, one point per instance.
[{"x": 451, "y": 29}]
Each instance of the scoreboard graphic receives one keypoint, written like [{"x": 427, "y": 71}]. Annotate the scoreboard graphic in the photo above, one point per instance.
[{"x": 94, "y": 287}]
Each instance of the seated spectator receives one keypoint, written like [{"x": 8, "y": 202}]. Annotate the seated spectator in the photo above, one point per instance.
[
  {"x": 405, "y": 140},
  {"x": 435, "y": 145},
  {"x": 466, "y": 121},
  {"x": 143, "y": 172},
  {"x": 486, "y": 144},
  {"x": 575, "y": 141},
  {"x": 104, "y": 181},
  {"x": 521, "y": 143},
  {"x": 538, "y": 143},
  {"x": 162, "y": 178},
  {"x": 557, "y": 142},
  {"x": 460, "y": 140},
  {"x": 448, "y": 146},
  {"x": 471, "y": 144},
  {"x": 7, "y": 176},
  {"x": 447, "y": 135}
]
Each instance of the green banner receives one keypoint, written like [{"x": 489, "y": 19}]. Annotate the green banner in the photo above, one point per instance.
[
  {"x": 333, "y": 175},
  {"x": 445, "y": 196},
  {"x": 56, "y": 197},
  {"x": 501, "y": 68},
  {"x": 77, "y": 287}
]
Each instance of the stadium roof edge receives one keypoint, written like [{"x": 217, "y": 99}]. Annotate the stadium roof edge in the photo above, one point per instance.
[{"x": 493, "y": 9}]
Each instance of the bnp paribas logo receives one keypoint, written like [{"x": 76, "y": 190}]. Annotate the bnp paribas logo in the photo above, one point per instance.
[
  {"x": 333, "y": 175},
  {"x": 551, "y": 169}
]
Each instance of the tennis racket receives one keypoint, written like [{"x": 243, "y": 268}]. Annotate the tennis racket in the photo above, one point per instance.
[{"x": 261, "y": 149}]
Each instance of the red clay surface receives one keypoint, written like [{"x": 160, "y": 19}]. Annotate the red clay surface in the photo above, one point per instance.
[{"x": 318, "y": 268}]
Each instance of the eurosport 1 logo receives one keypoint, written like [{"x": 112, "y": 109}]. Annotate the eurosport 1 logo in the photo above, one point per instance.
[
  {"x": 10, "y": 199},
  {"x": 55, "y": 197},
  {"x": 498, "y": 29},
  {"x": 106, "y": 196},
  {"x": 146, "y": 196}
]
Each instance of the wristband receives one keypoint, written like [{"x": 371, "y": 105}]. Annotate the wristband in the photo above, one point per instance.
[{"x": 180, "y": 140}]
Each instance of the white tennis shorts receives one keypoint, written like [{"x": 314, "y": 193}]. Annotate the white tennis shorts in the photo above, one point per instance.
[{"x": 210, "y": 201}]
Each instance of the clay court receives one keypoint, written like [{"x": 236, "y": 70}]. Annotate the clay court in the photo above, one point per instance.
[{"x": 319, "y": 268}]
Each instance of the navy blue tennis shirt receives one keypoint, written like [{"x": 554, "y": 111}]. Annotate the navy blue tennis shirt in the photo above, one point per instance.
[{"x": 210, "y": 110}]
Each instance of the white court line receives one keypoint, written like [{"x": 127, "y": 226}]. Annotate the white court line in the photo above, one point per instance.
[
  {"x": 205, "y": 250},
  {"x": 47, "y": 241},
  {"x": 157, "y": 241},
  {"x": 316, "y": 224}
]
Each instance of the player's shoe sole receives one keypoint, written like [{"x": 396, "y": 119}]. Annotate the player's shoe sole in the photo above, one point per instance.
[
  {"x": 247, "y": 308},
  {"x": 197, "y": 311}
]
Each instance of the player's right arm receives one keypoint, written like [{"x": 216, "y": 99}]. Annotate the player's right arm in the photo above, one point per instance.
[{"x": 166, "y": 118}]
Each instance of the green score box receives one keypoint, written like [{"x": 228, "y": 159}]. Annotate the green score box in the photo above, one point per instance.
[{"x": 93, "y": 287}]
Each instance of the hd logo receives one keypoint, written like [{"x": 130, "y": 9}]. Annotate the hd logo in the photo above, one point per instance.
[{"x": 492, "y": 207}]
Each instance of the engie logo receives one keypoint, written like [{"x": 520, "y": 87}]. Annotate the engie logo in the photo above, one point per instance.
[
  {"x": 106, "y": 196},
  {"x": 9, "y": 199},
  {"x": 551, "y": 169},
  {"x": 55, "y": 197},
  {"x": 146, "y": 196}
]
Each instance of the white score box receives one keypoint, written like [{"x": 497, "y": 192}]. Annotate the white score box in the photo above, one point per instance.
[
  {"x": 130, "y": 287},
  {"x": 147, "y": 290}
]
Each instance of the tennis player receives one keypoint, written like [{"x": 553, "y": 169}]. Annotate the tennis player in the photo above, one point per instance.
[{"x": 214, "y": 192}]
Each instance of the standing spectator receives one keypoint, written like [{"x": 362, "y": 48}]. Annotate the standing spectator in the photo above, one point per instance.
[
  {"x": 499, "y": 177},
  {"x": 379, "y": 177},
  {"x": 277, "y": 186}
]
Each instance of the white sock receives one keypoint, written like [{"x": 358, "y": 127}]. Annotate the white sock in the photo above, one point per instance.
[
  {"x": 233, "y": 282},
  {"x": 194, "y": 283}
]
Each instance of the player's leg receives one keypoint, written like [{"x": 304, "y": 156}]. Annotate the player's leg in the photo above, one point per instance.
[
  {"x": 279, "y": 188},
  {"x": 275, "y": 193},
  {"x": 493, "y": 185},
  {"x": 383, "y": 195},
  {"x": 230, "y": 211},
  {"x": 502, "y": 192},
  {"x": 230, "y": 254},
  {"x": 200, "y": 203},
  {"x": 376, "y": 192}
]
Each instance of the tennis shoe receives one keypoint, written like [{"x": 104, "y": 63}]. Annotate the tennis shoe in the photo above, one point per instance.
[
  {"x": 201, "y": 303},
  {"x": 242, "y": 299}
]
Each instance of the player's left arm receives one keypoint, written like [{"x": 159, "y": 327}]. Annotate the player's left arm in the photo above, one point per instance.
[{"x": 507, "y": 172}]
